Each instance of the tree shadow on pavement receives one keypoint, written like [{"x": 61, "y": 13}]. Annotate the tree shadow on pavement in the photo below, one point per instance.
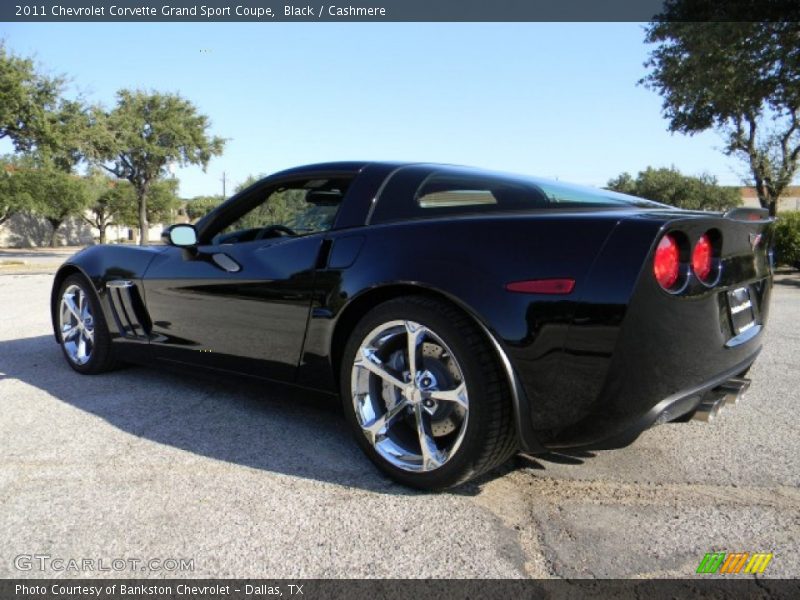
[
  {"x": 240, "y": 422},
  {"x": 236, "y": 420},
  {"x": 791, "y": 278}
]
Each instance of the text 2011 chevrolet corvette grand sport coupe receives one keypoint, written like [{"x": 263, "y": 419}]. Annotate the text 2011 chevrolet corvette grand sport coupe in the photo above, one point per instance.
[{"x": 461, "y": 315}]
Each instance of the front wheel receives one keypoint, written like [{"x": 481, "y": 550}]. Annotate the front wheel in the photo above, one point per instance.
[
  {"x": 425, "y": 395},
  {"x": 82, "y": 330}
]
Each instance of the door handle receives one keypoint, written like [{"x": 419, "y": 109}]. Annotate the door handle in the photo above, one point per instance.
[{"x": 225, "y": 262}]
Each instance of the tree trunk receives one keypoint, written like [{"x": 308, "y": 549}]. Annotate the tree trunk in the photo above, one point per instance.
[
  {"x": 102, "y": 230},
  {"x": 54, "y": 236},
  {"x": 768, "y": 200},
  {"x": 765, "y": 198},
  {"x": 144, "y": 226}
]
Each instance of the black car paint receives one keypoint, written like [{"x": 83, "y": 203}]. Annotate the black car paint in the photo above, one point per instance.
[
  {"x": 253, "y": 320},
  {"x": 586, "y": 369}
]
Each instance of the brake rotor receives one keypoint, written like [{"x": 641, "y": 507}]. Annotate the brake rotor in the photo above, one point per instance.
[{"x": 445, "y": 416}]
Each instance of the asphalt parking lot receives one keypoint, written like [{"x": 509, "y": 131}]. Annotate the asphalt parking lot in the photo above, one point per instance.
[{"x": 247, "y": 482}]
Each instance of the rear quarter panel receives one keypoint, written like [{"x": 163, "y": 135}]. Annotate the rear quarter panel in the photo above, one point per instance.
[
  {"x": 628, "y": 350},
  {"x": 469, "y": 260},
  {"x": 591, "y": 363}
]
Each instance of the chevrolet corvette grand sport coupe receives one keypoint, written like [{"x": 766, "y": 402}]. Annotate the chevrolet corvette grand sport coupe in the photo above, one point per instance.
[{"x": 461, "y": 315}]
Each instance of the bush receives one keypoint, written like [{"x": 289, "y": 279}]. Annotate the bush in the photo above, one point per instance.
[
  {"x": 200, "y": 206},
  {"x": 787, "y": 239},
  {"x": 672, "y": 187}
]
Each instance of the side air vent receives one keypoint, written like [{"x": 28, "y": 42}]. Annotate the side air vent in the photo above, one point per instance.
[{"x": 128, "y": 309}]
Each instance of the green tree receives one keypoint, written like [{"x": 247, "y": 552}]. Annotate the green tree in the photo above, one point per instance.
[
  {"x": 787, "y": 239},
  {"x": 14, "y": 198},
  {"x": 27, "y": 101},
  {"x": 64, "y": 143},
  {"x": 103, "y": 206},
  {"x": 143, "y": 135},
  {"x": 671, "y": 187},
  {"x": 52, "y": 194},
  {"x": 739, "y": 78},
  {"x": 35, "y": 116},
  {"x": 200, "y": 206},
  {"x": 281, "y": 206},
  {"x": 162, "y": 203},
  {"x": 251, "y": 179},
  {"x": 624, "y": 183}
]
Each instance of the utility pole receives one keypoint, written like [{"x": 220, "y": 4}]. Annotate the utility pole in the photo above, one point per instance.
[{"x": 224, "y": 179}]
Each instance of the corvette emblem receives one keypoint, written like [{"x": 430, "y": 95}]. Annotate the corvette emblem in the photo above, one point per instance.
[{"x": 755, "y": 239}]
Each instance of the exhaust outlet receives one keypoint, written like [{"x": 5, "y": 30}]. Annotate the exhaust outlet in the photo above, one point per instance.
[
  {"x": 709, "y": 409},
  {"x": 734, "y": 390},
  {"x": 729, "y": 393}
]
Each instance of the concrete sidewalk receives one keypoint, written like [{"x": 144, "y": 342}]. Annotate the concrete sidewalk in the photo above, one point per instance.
[{"x": 38, "y": 260}]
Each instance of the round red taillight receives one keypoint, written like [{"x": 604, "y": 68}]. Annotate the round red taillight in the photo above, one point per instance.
[
  {"x": 666, "y": 265},
  {"x": 701, "y": 258}
]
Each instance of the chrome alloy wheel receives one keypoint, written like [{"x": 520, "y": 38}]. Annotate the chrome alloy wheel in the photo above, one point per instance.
[
  {"x": 76, "y": 324},
  {"x": 410, "y": 396}
]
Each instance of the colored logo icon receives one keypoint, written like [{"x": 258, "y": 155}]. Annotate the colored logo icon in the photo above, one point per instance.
[{"x": 736, "y": 562}]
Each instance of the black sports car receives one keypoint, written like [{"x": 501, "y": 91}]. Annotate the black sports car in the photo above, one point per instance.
[{"x": 461, "y": 315}]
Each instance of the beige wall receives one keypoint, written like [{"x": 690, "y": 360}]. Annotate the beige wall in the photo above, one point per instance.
[
  {"x": 791, "y": 201},
  {"x": 27, "y": 231}
]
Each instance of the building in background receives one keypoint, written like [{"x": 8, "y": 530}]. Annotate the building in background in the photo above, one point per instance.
[
  {"x": 790, "y": 200},
  {"x": 25, "y": 230}
]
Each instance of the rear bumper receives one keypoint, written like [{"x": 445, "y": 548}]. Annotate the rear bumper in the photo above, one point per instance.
[
  {"x": 635, "y": 354},
  {"x": 667, "y": 354},
  {"x": 684, "y": 402}
]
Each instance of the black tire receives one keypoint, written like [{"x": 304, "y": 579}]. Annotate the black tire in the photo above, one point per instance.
[
  {"x": 489, "y": 438},
  {"x": 101, "y": 359}
]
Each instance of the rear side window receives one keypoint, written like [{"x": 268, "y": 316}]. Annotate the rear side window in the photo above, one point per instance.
[
  {"x": 445, "y": 193},
  {"x": 418, "y": 192},
  {"x": 465, "y": 197}
]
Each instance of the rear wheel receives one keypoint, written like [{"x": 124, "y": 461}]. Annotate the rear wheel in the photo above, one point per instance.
[
  {"x": 82, "y": 330},
  {"x": 425, "y": 395}
]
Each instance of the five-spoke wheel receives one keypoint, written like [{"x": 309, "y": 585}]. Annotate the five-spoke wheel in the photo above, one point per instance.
[
  {"x": 76, "y": 324},
  {"x": 424, "y": 394},
  {"x": 81, "y": 328},
  {"x": 409, "y": 395}
]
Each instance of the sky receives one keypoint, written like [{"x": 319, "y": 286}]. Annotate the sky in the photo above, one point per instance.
[{"x": 556, "y": 100}]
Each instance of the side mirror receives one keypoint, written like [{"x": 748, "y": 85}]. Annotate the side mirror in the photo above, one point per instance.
[{"x": 181, "y": 235}]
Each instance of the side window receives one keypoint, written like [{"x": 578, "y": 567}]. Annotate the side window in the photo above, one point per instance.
[
  {"x": 463, "y": 194},
  {"x": 303, "y": 209},
  {"x": 454, "y": 198},
  {"x": 416, "y": 192}
]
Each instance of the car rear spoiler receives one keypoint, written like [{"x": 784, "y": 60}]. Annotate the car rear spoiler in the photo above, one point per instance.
[{"x": 748, "y": 214}]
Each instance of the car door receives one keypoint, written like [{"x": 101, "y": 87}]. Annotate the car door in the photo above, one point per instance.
[{"x": 234, "y": 303}]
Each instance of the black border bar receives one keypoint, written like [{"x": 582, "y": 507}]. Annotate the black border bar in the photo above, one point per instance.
[
  {"x": 270, "y": 11},
  {"x": 706, "y": 587}
]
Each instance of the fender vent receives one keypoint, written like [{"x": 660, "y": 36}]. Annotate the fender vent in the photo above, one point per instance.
[{"x": 128, "y": 309}]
